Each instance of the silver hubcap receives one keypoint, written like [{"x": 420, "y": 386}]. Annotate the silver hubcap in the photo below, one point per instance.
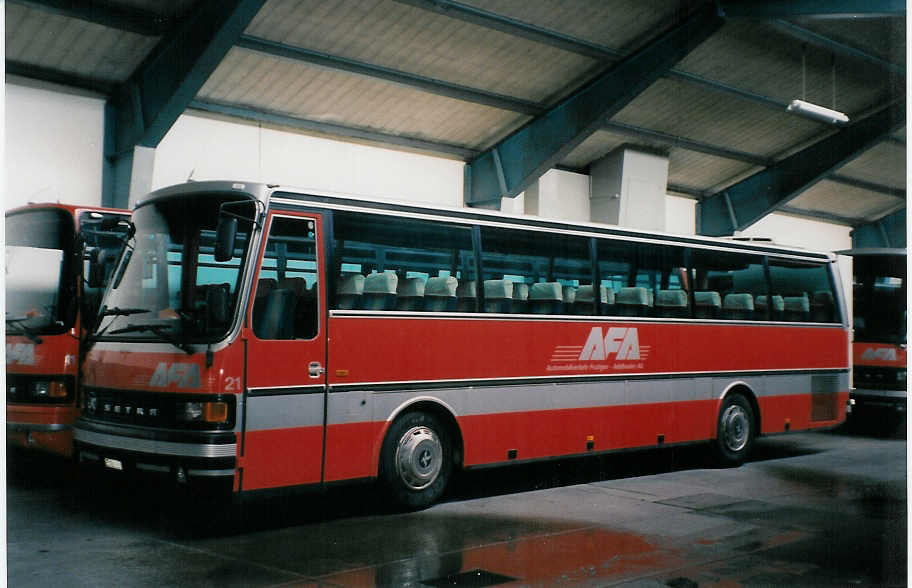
[
  {"x": 735, "y": 428},
  {"x": 419, "y": 457}
]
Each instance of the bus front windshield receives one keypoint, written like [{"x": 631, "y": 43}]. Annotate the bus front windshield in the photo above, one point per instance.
[
  {"x": 880, "y": 299},
  {"x": 41, "y": 279},
  {"x": 168, "y": 286}
]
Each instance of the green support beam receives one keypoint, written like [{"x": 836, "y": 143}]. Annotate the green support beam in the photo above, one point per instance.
[
  {"x": 140, "y": 111},
  {"x": 507, "y": 168},
  {"x": 742, "y": 204}
]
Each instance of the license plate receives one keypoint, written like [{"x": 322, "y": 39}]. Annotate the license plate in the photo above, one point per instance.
[{"x": 114, "y": 464}]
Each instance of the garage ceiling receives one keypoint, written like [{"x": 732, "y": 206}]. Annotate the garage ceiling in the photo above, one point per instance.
[{"x": 465, "y": 79}]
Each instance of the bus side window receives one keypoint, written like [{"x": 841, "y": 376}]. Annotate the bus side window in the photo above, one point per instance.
[
  {"x": 536, "y": 273},
  {"x": 388, "y": 263},
  {"x": 615, "y": 260},
  {"x": 285, "y": 303},
  {"x": 729, "y": 285},
  {"x": 806, "y": 291}
]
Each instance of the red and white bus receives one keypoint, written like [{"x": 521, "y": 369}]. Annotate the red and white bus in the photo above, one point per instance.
[
  {"x": 276, "y": 338},
  {"x": 51, "y": 301},
  {"x": 879, "y": 343}
]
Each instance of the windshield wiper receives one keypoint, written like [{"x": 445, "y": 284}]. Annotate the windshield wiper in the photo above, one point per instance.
[
  {"x": 13, "y": 321},
  {"x": 162, "y": 331},
  {"x": 115, "y": 311}
]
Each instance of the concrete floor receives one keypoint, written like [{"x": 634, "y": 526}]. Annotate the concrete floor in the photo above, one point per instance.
[{"x": 816, "y": 509}]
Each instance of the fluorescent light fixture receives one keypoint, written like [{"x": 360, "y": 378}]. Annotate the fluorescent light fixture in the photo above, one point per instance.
[{"x": 834, "y": 117}]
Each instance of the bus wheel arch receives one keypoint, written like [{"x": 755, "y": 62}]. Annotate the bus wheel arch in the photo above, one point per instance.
[
  {"x": 737, "y": 424},
  {"x": 421, "y": 447}
]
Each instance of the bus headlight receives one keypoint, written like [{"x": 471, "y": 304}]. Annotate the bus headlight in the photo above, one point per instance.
[
  {"x": 47, "y": 389},
  {"x": 202, "y": 412},
  {"x": 901, "y": 376}
]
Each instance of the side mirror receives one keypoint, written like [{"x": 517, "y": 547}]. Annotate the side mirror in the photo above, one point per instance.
[{"x": 225, "y": 233}]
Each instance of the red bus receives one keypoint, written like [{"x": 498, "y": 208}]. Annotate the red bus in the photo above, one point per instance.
[
  {"x": 879, "y": 343},
  {"x": 279, "y": 338},
  {"x": 51, "y": 301}
]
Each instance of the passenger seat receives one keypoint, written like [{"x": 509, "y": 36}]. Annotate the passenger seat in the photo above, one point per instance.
[
  {"x": 380, "y": 291},
  {"x": 440, "y": 293},
  {"x": 546, "y": 298}
]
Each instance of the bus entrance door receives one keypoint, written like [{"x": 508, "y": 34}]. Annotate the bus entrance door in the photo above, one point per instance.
[{"x": 286, "y": 358}]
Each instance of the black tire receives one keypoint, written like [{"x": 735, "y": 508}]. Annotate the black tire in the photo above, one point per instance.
[
  {"x": 416, "y": 460},
  {"x": 734, "y": 431}
]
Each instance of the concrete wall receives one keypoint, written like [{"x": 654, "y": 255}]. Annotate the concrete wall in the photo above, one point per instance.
[
  {"x": 53, "y": 147},
  {"x": 213, "y": 149}
]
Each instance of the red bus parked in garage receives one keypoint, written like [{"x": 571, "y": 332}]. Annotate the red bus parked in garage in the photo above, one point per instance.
[
  {"x": 278, "y": 338},
  {"x": 879, "y": 344},
  {"x": 51, "y": 301}
]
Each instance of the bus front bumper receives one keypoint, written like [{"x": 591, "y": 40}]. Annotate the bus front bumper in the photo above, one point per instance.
[{"x": 186, "y": 457}]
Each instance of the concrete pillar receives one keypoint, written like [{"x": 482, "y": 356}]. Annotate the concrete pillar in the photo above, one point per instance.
[
  {"x": 629, "y": 189},
  {"x": 558, "y": 194},
  {"x": 141, "y": 173}
]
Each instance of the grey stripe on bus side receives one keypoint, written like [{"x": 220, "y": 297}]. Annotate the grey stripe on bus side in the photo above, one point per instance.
[{"x": 358, "y": 406}]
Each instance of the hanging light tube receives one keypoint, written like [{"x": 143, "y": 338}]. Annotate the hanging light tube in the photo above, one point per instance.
[{"x": 817, "y": 112}]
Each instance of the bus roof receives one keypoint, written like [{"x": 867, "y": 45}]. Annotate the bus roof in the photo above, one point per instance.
[{"x": 266, "y": 192}]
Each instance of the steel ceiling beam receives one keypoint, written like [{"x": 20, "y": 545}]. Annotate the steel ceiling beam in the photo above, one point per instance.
[
  {"x": 423, "y": 83},
  {"x": 140, "y": 111},
  {"x": 515, "y": 27},
  {"x": 134, "y": 20},
  {"x": 332, "y": 129},
  {"x": 767, "y": 9},
  {"x": 735, "y": 155},
  {"x": 508, "y": 167},
  {"x": 688, "y": 144},
  {"x": 749, "y": 200},
  {"x": 810, "y": 37},
  {"x": 54, "y": 76},
  {"x": 869, "y": 186},
  {"x": 889, "y": 231}
]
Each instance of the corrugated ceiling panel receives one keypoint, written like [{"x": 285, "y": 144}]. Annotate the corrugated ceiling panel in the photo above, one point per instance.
[
  {"x": 620, "y": 25},
  {"x": 840, "y": 199},
  {"x": 405, "y": 38},
  {"x": 694, "y": 112},
  {"x": 318, "y": 94},
  {"x": 884, "y": 164},
  {"x": 760, "y": 59},
  {"x": 66, "y": 44},
  {"x": 702, "y": 171},
  {"x": 596, "y": 146}
]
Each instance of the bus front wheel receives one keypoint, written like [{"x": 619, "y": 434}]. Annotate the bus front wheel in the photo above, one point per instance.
[
  {"x": 416, "y": 460},
  {"x": 734, "y": 430}
]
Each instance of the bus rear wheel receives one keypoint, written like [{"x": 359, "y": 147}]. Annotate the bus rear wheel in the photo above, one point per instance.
[
  {"x": 734, "y": 431},
  {"x": 416, "y": 460}
]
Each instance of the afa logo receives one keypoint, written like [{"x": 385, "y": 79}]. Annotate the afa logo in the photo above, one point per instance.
[
  {"x": 622, "y": 341},
  {"x": 879, "y": 354},
  {"x": 21, "y": 353},
  {"x": 184, "y": 375}
]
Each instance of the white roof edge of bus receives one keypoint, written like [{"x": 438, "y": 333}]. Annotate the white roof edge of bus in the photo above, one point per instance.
[{"x": 270, "y": 188}]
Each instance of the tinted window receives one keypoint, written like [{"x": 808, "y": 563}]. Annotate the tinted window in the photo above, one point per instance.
[
  {"x": 392, "y": 263},
  {"x": 643, "y": 279},
  {"x": 731, "y": 286},
  {"x": 539, "y": 273},
  {"x": 806, "y": 290}
]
